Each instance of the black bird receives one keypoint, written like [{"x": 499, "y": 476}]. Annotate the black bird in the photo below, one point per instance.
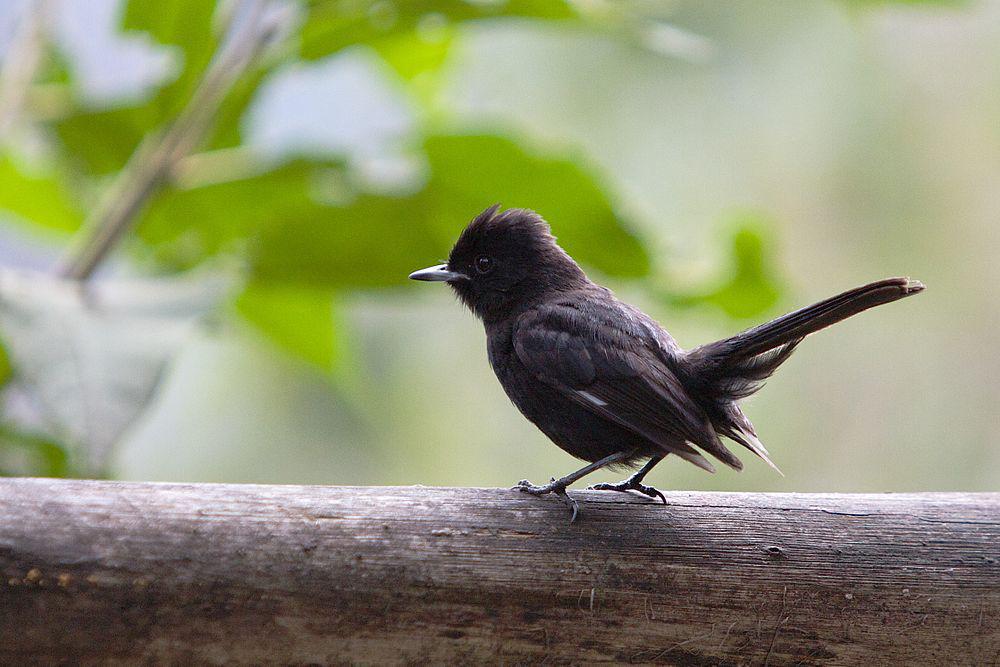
[{"x": 603, "y": 380}]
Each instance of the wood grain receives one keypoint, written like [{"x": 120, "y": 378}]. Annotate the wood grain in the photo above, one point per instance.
[{"x": 126, "y": 572}]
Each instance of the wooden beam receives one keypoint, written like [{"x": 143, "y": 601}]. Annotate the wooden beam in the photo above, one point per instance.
[{"x": 183, "y": 573}]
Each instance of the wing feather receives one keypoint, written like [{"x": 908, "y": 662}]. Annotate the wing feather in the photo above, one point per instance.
[{"x": 622, "y": 375}]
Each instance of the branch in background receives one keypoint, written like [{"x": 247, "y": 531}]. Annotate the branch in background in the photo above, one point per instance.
[
  {"x": 19, "y": 67},
  {"x": 154, "y": 159}
]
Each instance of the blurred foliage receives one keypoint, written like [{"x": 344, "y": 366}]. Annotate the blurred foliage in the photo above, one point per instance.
[
  {"x": 89, "y": 358},
  {"x": 875, "y": 3},
  {"x": 22, "y": 452},
  {"x": 5, "y": 368},
  {"x": 101, "y": 141},
  {"x": 751, "y": 286},
  {"x": 300, "y": 320},
  {"x": 37, "y": 198},
  {"x": 306, "y": 230},
  {"x": 294, "y": 238},
  {"x": 331, "y": 26},
  {"x": 185, "y": 25}
]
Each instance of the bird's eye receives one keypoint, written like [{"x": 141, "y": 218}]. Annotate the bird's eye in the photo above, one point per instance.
[{"x": 484, "y": 264}]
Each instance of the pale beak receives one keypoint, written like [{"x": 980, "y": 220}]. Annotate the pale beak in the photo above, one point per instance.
[{"x": 439, "y": 273}]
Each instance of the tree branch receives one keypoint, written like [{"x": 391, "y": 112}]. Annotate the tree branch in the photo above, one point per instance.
[
  {"x": 162, "y": 573},
  {"x": 18, "y": 68},
  {"x": 158, "y": 153}
]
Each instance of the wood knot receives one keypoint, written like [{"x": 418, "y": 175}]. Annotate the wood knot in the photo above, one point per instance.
[{"x": 775, "y": 552}]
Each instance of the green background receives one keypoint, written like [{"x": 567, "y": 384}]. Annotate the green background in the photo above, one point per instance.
[{"x": 714, "y": 163}]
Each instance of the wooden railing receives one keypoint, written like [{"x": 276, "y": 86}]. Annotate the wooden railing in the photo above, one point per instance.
[{"x": 193, "y": 573}]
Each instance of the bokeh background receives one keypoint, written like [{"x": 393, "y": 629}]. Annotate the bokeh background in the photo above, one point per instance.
[{"x": 208, "y": 211}]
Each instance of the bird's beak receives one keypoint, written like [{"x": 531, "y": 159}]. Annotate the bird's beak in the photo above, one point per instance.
[{"x": 439, "y": 273}]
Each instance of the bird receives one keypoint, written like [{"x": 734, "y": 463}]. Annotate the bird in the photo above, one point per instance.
[{"x": 604, "y": 381}]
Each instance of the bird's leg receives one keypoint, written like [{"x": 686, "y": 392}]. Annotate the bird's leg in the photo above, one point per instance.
[
  {"x": 558, "y": 486},
  {"x": 634, "y": 483}
]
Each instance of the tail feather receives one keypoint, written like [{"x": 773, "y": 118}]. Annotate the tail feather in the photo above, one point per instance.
[
  {"x": 796, "y": 325},
  {"x": 722, "y": 373},
  {"x": 752, "y": 443},
  {"x": 744, "y": 376}
]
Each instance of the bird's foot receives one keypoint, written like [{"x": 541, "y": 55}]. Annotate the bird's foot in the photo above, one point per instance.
[
  {"x": 630, "y": 485},
  {"x": 555, "y": 486}
]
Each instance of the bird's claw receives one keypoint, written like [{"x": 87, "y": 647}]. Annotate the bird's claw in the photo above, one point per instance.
[
  {"x": 629, "y": 485},
  {"x": 552, "y": 487},
  {"x": 528, "y": 487}
]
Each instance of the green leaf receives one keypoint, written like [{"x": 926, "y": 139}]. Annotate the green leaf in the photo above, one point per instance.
[
  {"x": 300, "y": 320},
  {"x": 6, "y": 371},
  {"x": 411, "y": 54},
  {"x": 46, "y": 458},
  {"x": 415, "y": 37},
  {"x": 375, "y": 241},
  {"x": 38, "y": 198},
  {"x": 330, "y": 25},
  {"x": 187, "y": 225},
  {"x": 469, "y": 173},
  {"x": 227, "y": 132},
  {"x": 186, "y": 24},
  {"x": 101, "y": 141},
  {"x": 751, "y": 287},
  {"x": 168, "y": 21}
]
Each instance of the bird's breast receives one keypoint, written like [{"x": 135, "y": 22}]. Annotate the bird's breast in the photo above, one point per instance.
[{"x": 576, "y": 430}]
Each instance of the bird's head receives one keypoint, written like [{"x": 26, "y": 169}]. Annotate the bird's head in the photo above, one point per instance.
[{"x": 504, "y": 259}]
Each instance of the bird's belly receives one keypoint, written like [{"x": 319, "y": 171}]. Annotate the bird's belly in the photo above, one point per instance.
[{"x": 575, "y": 429}]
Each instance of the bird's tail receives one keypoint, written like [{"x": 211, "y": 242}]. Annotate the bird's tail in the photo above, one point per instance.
[
  {"x": 755, "y": 353},
  {"x": 725, "y": 371}
]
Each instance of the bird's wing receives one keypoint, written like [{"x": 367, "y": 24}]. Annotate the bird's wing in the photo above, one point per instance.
[{"x": 618, "y": 371}]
